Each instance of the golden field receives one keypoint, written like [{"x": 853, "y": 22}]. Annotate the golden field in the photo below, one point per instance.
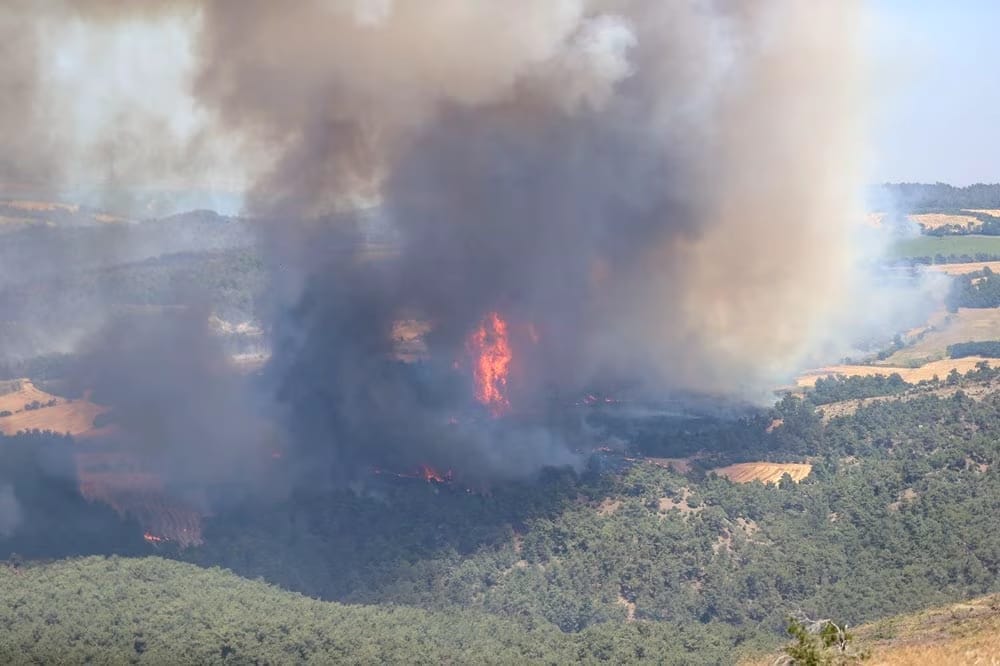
[{"x": 767, "y": 472}]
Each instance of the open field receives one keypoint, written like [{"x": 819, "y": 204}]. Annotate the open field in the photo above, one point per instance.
[
  {"x": 66, "y": 416},
  {"x": 966, "y": 325},
  {"x": 75, "y": 417},
  {"x": 926, "y": 371},
  {"x": 928, "y": 246},
  {"x": 993, "y": 212},
  {"x": 962, "y": 633},
  {"x": 767, "y": 472},
  {"x": 963, "y": 269},
  {"x": 17, "y": 393},
  {"x": 937, "y": 220}
]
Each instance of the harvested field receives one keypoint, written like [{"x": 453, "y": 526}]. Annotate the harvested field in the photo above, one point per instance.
[
  {"x": 963, "y": 269},
  {"x": 20, "y": 392},
  {"x": 767, "y": 472},
  {"x": 992, "y": 212},
  {"x": 75, "y": 418},
  {"x": 913, "y": 375},
  {"x": 938, "y": 220},
  {"x": 966, "y": 325}
]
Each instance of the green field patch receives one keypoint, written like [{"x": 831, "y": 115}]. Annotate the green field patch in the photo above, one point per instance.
[{"x": 946, "y": 246}]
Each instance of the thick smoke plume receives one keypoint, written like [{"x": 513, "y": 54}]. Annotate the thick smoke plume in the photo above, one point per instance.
[
  {"x": 662, "y": 192},
  {"x": 660, "y": 196}
]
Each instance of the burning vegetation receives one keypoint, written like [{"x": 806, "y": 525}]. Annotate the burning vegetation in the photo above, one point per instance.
[{"x": 489, "y": 347}]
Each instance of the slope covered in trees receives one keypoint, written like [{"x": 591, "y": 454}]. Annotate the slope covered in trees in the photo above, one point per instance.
[
  {"x": 155, "y": 611},
  {"x": 621, "y": 559}
]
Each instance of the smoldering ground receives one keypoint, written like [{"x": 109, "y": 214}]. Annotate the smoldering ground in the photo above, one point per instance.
[{"x": 659, "y": 195}]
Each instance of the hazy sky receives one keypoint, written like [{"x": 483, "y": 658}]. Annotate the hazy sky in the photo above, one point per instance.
[
  {"x": 933, "y": 99},
  {"x": 936, "y": 90}
]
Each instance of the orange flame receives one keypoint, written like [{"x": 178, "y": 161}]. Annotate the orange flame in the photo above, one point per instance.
[
  {"x": 152, "y": 538},
  {"x": 490, "y": 348},
  {"x": 430, "y": 474}
]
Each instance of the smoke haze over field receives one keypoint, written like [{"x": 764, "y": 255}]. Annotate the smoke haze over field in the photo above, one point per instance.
[{"x": 660, "y": 195}]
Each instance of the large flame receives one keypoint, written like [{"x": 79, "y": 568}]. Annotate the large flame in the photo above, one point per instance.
[{"x": 490, "y": 349}]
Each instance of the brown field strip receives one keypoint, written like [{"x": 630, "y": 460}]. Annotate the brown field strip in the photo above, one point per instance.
[
  {"x": 767, "y": 472},
  {"x": 75, "y": 418},
  {"x": 927, "y": 371},
  {"x": 66, "y": 416},
  {"x": 963, "y": 269},
  {"x": 937, "y": 220}
]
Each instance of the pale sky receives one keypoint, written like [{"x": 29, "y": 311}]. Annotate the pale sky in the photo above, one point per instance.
[{"x": 935, "y": 67}]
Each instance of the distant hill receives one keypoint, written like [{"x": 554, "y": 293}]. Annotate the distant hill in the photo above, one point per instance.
[{"x": 920, "y": 197}]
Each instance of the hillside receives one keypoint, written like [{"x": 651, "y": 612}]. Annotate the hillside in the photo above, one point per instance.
[
  {"x": 959, "y": 634},
  {"x": 156, "y": 611},
  {"x": 23, "y": 406}
]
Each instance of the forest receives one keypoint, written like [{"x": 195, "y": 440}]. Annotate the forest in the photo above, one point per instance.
[
  {"x": 622, "y": 560},
  {"x": 925, "y": 197}
]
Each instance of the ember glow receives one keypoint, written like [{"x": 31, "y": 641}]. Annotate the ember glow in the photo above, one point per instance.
[
  {"x": 431, "y": 474},
  {"x": 152, "y": 538},
  {"x": 490, "y": 348},
  {"x": 423, "y": 471}
]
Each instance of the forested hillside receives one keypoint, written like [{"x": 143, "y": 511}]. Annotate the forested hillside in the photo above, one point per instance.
[
  {"x": 160, "y": 612},
  {"x": 625, "y": 558}
]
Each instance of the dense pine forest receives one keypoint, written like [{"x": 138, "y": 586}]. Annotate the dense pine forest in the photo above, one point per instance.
[{"x": 623, "y": 559}]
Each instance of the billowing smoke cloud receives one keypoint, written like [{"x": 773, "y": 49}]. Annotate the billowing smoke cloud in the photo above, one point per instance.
[
  {"x": 663, "y": 192},
  {"x": 655, "y": 195}
]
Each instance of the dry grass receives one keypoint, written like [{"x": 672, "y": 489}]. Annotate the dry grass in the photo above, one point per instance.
[
  {"x": 959, "y": 634},
  {"x": 75, "y": 418},
  {"x": 964, "y": 633},
  {"x": 966, "y": 325},
  {"x": 913, "y": 375},
  {"x": 937, "y": 220},
  {"x": 19, "y": 392},
  {"x": 42, "y": 206},
  {"x": 963, "y": 269},
  {"x": 993, "y": 212},
  {"x": 66, "y": 416},
  {"x": 767, "y": 472}
]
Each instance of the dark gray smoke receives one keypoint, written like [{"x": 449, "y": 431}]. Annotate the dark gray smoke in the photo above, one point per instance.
[
  {"x": 657, "y": 196},
  {"x": 661, "y": 195}
]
